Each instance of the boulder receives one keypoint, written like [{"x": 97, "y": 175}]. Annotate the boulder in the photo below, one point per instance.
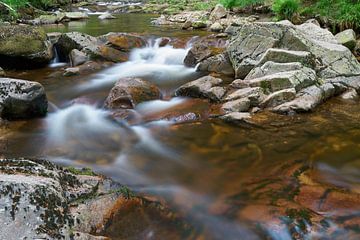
[
  {"x": 279, "y": 97},
  {"x": 287, "y": 56},
  {"x": 73, "y": 71},
  {"x": 106, "y": 16},
  {"x": 350, "y": 94},
  {"x": 77, "y": 57},
  {"x": 239, "y": 105},
  {"x": 205, "y": 87},
  {"x": 24, "y": 47},
  {"x": 234, "y": 117},
  {"x": 347, "y": 38},
  {"x": 113, "y": 54},
  {"x": 271, "y": 68},
  {"x": 53, "y": 37},
  {"x": 21, "y": 99},
  {"x": 204, "y": 48},
  {"x": 218, "y": 12},
  {"x": 219, "y": 64},
  {"x": 76, "y": 15},
  {"x": 80, "y": 41},
  {"x": 216, "y": 27},
  {"x": 48, "y": 19},
  {"x": 198, "y": 24},
  {"x": 128, "y": 92},
  {"x": 123, "y": 41},
  {"x": 254, "y": 94},
  {"x": 251, "y": 41}
]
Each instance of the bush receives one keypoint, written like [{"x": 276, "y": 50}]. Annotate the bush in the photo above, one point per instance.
[
  {"x": 239, "y": 3},
  {"x": 285, "y": 9}
]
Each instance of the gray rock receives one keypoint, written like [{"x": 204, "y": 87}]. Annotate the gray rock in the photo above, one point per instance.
[
  {"x": 36, "y": 199},
  {"x": 239, "y": 105},
  {"x": 80, "y": 41},
  {"x": 255, "y": 95},
  {"x": 216, "y": 27},
  {"x": 272, "y": 67},
  {"x": 278, "y": 98},
  {"x": 219, "y": 64},
  {"x": 297, "y": 79},
  {"x": 218, "y": 12},
  {"x": 351, "y": 94},
  {"x": 287, "y": 56},
  {"x": 198, "y": 24},
  {"x": 106, "y": 16},
  {"x": 77, "y": 57},
  {"x": 236, "y": 117},
  {"x": 22, "y": 99},
  {"x": 76, "y": 15},
  {"x": 53, "y": 37},
  {"x": 205, "y": 87},
  {"x": 347, "y": 38}
]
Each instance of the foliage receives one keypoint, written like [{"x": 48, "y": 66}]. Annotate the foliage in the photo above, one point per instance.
[
  {"x": 83, "y": 171},
  {"x": 239, "y": 3},
  {"x": 345, "y": 13},
  {"x": 41, "y": 4},
  {"x": 285, "y": 9}
]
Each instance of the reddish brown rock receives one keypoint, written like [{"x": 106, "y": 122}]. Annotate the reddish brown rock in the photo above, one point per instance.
[{"x": 128, "y": 92}]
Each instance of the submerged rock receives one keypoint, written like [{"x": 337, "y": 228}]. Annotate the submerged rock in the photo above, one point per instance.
[
  {"x": 21, "y": 99},
  {"x": 128, "y": 92},
  {"x": 24, "y": 46},
  {"x": 106, "y": 16}
]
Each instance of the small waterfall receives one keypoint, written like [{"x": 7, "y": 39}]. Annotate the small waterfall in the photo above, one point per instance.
[
  {"x": 55, "y": 62},
  {"x": 161, "y": 65}
]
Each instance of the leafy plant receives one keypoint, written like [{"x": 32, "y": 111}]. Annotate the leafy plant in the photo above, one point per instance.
[{"x": 285, "y": 9}]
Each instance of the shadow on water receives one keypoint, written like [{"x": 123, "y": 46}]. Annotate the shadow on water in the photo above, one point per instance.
[{"x": 292, "y": 177}]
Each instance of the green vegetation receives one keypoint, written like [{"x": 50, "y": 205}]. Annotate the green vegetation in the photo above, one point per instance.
[
  {"x": 285, "y": 9},
  {"x": 240, "y": 3},
  {"x": 83, "y": 171},
  {"x": 40, "y": 4}
]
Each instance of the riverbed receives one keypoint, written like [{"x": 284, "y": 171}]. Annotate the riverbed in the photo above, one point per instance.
[{"x": 227, "y": 181}]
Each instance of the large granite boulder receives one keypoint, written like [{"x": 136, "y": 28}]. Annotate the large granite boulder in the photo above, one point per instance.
[
  {"x": 22, "y": 99},
  {"x": 24, "y": 47}
]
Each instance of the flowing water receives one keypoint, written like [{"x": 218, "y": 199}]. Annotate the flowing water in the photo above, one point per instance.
[{"x": 278, "y": 177}]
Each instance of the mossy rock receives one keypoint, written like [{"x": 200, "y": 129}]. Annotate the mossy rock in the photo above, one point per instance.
[{"x": 23, "y": 46}]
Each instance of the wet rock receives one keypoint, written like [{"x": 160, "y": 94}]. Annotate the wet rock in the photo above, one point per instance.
[
  {"x": 306, "y": 100},
  {"x": 164, "y": 41},
  {"x": 77, "y": 57},
  {"x": 255, "y": 95},
  {"x": 24, "y": 46},
  {"x": 186, "y": 25},
  {"x": 21, "y": 99},
  {"x": 76, "y": 15},
  {"x": 73, "y": 71},
  {"x": 128, "y": 92},
  {"x": 205, "y": 87},
  {"x": 123, "y": 41},
  {"x": 239, "y": 105},
  {"x": 278, "y": 98},
  {"x": 80, "y": 41},
  {"x": 112, "y": 54},
  {"x": 48, "y": 19},
  {"x": 236, "y": 117},
  {"x": 39, "y": 200},
  {"x": 350, "y": 95},
  {"x": 106, "y": 16},
  {"x": 219, "y": 64},
  {"x": 204, "y": 48},
  {"x": 218, "y": 12},
  {"x": 347, "y": 38}
]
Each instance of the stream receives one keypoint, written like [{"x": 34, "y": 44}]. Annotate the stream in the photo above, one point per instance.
[{"x": 222, "y": 179}]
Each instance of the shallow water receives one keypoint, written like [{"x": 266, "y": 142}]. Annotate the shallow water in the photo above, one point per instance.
[{"x": 277, "y": 177}]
